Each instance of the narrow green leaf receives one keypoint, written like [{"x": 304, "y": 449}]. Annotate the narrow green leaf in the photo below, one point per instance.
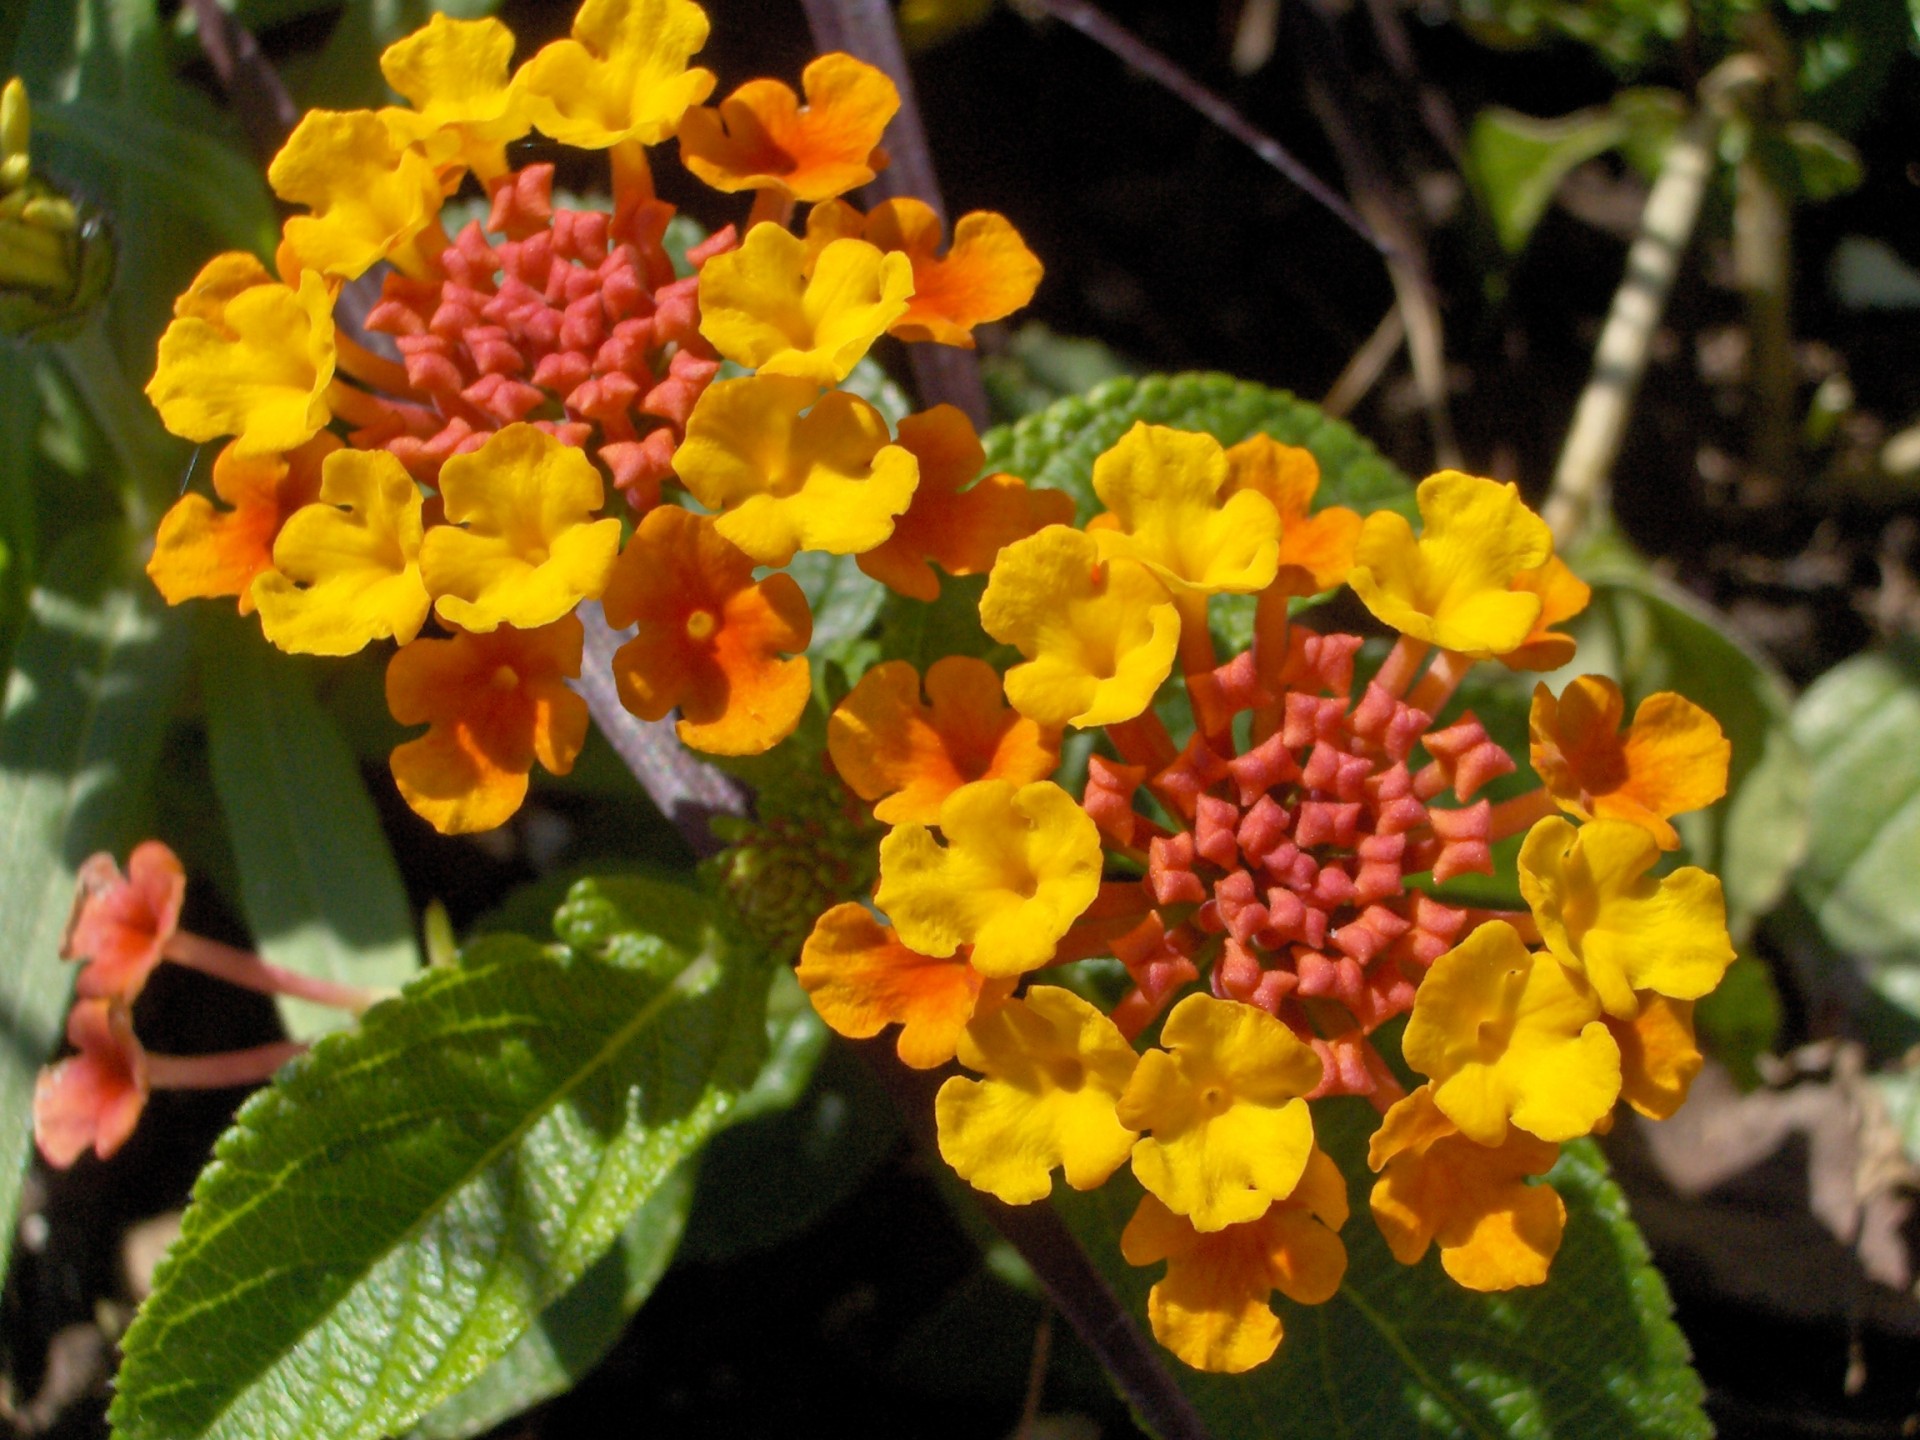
[
  {"x": 384, "y": 1221},
  {"x": 574, "y": 1333},
  {"x": 1857, "y": 724},
  {"x": 1402, "y": 1351},
  {"x": 317, "y": 879},
  {"x": 1650, "y": 636},
  {"x": 1516, "y": 162},
  {"x": 97, "y": 668}
]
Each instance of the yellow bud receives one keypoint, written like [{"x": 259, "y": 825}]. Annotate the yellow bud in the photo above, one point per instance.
[{"x": 13, "y": 120}]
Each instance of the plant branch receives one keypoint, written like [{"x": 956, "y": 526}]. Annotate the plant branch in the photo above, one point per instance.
[
  {"x": 260, "y": 98},
  {"x": 1136, "y": 53},
  {"x": 1581, "y": 494},
  {"x": 865, "y": 29}
]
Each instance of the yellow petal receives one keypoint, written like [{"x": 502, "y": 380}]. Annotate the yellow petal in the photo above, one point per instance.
[
  {"x": 371, "y": 196},
  {"x": 1164, "y": 489},
  {"x": 622, "y": 76}
]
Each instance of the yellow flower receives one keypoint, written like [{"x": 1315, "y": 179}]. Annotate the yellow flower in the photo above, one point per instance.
[
  {"x": 790, "y": 469},
  {"x": 1098, "y": 638},
  {"x": 521, "y": 550},
  {"x": 1658, "y": 1055},
  {"x": 1494, "y": 1230},
  {"x": 1672, "y": 759},
  {"x": 246, "y": 356},
  {"x": 761, "y": 307},
  {"x": 1230, "y": 1133},
  {"x": 622, "y": 76},
  {"x": 1213, "y": 1308},
  {"x": 1163, "y": 489},
  {"x": 1020, "y": 864},
  {"x": 1602, "y": 914},
  {"x": 1453, "y": 586},
  {"x": 372, "y": 195},
  {"x": 465, "y": 108},
  {"x": 347, "y": 569},
  {"x": 1508, "y": 1035},
  {"x": 1054, "y": 1067}
]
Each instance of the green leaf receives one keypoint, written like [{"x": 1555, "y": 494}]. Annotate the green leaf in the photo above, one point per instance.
[
  {"x": 1402, "y": 1351},
  {"x": 383, "y": 1222},
  {"x": 1057, "y": 447},
  {"x": 1857, "y": 725},
  {"x": 574, "y": 1333},
  {"x": 96, "y": 672},
  {"x": 317, "y": 880},
  {"x": 1650, "y": 636},
  {"x": 1516, "y": 162},
  {"x": 1039, "y": 367}
]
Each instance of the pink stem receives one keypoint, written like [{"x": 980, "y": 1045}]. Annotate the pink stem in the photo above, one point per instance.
[
  {"x": 1519, "y": 812},
  {"x": 250, "y": 972},
  {"x": 218, "y": 1072},
  {"x": 1443, "y": 677},
  {"x": 1402, "y": 663}
]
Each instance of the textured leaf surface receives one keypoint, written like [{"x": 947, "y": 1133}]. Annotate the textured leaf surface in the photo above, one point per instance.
[
  {"x": 574, "y": 1333},
  {"x": 97, "y": 669},
  {"x": 385, "y": 1221},
  {"x": 1651, "y": 637},
  {"x": 1057, "y": 447},
  {"x": 317, "y": 878},
  {"x": 1402, "y": 1351},
  {"x": 1857, "y": 724}
]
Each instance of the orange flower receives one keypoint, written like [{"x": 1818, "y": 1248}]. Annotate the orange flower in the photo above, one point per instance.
[
  {"x": 1658, "y": 1055},
  {"x": 1213, "y": 1308},
  {"x": 202, "y": 551},
  {"x": 1672, "y": 759},
  {"x": 987, "y": 273},
  {"x": 862, "y": 979},
  {"x": 961, "y": 530},
  {"x": 1494, "y": 1230},
  {"x": 761, "y": 138},
  {"x": 1563, "y": 595},
  {"x": 1316, "y": 551},
  {"x": 890, "y": 747},
  {"x": 121, "y": 923},
  {"x": 710, "y": 638},
  {"x": 494, "y": 704},
  {"x": 91, "y": 1101}
]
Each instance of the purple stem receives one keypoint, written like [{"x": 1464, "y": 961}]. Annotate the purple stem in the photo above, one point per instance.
[{"x": 943, "y": 374}]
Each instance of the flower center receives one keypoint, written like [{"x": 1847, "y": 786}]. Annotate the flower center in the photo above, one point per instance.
[{"x": 701, "y": 626}]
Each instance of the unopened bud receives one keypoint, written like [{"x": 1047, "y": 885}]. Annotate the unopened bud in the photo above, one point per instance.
[
  {"x": 56, "y": 254},
  {"x": 14, "y": 120}
]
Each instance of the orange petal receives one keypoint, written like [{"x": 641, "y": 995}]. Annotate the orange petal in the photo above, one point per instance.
[
  {"x": 1563, "y": 595},
  {"x": 121, "y": 923},
  {"x": 1658, "y": 1055},
  {"x": 761, "y": 138},
  {"x": 862, "y": 979}
]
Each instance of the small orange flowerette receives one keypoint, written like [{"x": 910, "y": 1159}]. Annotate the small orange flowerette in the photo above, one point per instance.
[
  {"x": 711, "y": 639},
  {"x": 494, "y": 704}
]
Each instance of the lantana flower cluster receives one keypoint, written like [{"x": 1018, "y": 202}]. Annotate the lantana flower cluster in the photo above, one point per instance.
[
  {"x": 1276, "y": 884},
  {"x": 549, "y": 392}
]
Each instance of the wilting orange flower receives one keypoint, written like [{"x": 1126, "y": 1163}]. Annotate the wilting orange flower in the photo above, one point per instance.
[
  {"x": 711, "y": 638},
  {"x": 1659, "y": 1056},
  {"x": 960, "y": 529},
  {"x": 202, "y": 551},
  {"x": 494, "y": 704},
  {"x": 762, "y": 138},
  {"x": 862, "y": 979},
  {"x": 1672, "y": 759},
  {"x": 121, "y": 923},
  {"x": 1494, "y": 1230},
  {"x": 1563, "y": 595},
  {"x": 1316, "y": 550},
  {"x": 1214, "y": 1307},
  {"x": 91, "y": 1101},
  {"x": 987, "y": 273},
  {"x": 890, "y": 747}
]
